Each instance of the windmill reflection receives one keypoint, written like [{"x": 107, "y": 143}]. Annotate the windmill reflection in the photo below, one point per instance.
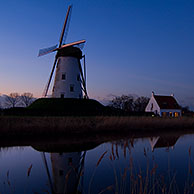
[
  {"x": 163, "y": 141},
  {"x": 67, "y": 169},
  {"x": 67, "y": 172}
]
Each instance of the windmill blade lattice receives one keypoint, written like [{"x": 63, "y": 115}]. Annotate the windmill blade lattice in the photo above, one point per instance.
[
  {"x": 83, "y": 80},
  {"x": 64, "y": 26},
  {"x": 67, "y": 26},
  {"x": 47, "y": 50}
]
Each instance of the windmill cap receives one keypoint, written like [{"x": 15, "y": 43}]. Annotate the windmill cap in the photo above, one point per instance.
[{"x": 70, "y": 52}]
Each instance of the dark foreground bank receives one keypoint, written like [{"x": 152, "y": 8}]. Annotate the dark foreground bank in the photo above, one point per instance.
[{"x": 90, "y": 126}]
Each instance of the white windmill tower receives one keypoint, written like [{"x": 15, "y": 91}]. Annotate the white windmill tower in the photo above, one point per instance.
[{"x": 70, "y": 80}]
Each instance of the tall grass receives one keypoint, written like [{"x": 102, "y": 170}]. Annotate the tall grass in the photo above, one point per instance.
[
  {"x": 135, "y": 180},
  {"x": 90, "y": 125}
]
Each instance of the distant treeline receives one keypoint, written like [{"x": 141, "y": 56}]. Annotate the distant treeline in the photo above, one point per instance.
[
  {"x": 124, "y": 105},
  {"x": 16, "y": 100},
  {"x": 129, "y": 103}
]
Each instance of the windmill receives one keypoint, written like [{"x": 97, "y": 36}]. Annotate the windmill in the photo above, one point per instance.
[{"x": 70, "y": 79}]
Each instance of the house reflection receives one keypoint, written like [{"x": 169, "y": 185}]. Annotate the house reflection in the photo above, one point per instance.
[{"x": 163, "y": 142}]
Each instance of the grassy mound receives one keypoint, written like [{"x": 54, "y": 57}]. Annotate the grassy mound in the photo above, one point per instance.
[{"x": 67, "y": 106}]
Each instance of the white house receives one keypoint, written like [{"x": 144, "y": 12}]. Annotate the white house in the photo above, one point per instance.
[{"x": 163, "y": 106}]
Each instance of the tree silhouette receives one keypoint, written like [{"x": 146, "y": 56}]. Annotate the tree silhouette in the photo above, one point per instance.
[
  {"x": 128, "y": 103},
  {"x": 26, "y": 98},
  {"x": 12, "y": 100},
  {"x": 1, "y": 107},
  {"x": 140, "y": 104},
  {"x": 123, "y": 102}
]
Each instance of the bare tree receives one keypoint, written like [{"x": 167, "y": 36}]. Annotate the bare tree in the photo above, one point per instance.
[
  {"x": 129, "y": 103},
  {"x": 140, "y": 104},
  {"x": 12, "y": 100},
  {"x": 123, "y": 102},
  {"x": 26, "y": 98}
]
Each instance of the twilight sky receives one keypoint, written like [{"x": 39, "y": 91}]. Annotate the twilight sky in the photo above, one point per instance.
[{"x": 133, "y": 46}]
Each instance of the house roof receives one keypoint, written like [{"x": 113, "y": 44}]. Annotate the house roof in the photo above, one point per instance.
[
  {"x": 166, "y": 142},
  {"x": 166, "y": 102}
]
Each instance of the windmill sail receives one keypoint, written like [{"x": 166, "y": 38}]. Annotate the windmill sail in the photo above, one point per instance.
[
  {"x": 46, "y": 50},
  {"x": 64, "y": 26},
  {"x": 49, "y": 81},
  {"x": 72, "y": 44},
  {"x": 67, "y": 26}
]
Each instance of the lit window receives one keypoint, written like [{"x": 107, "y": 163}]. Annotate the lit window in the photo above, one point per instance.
[
  {"x": 164, "y": 114},
  {"x": 63, "y": 77},
  {"x": 176, "y": 114},
  {"x": 71, "y": 88}
]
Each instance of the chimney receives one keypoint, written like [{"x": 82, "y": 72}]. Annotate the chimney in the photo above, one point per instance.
[{"x": 152, "y": 93}]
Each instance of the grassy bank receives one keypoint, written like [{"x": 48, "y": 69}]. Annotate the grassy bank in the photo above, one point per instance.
[{"x": 83, "y": 126}]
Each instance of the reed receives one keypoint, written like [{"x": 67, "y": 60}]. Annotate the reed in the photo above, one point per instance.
[
  {"x": 36, "y": 126},
  {"x": 134, "y": 180}
]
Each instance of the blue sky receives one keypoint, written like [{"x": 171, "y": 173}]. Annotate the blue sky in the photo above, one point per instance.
[{"x": 133, "y": 46}]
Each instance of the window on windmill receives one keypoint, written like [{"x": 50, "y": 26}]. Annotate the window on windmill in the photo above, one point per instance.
[
  {"x": 62, "y": 95},
  {"x": 71, "y": 88},
  {"x": 63, "y": 77},
  {"x": 61, "y": 173},
  {"x": 78, "y": 77},
  {"x": 69, "y": 161}
]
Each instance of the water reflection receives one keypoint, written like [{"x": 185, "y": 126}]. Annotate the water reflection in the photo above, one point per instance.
[
  {"x": 158, "y": 164},
  {"x": 161, "y": 142},
  {"x": 67, "y": 167}
]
